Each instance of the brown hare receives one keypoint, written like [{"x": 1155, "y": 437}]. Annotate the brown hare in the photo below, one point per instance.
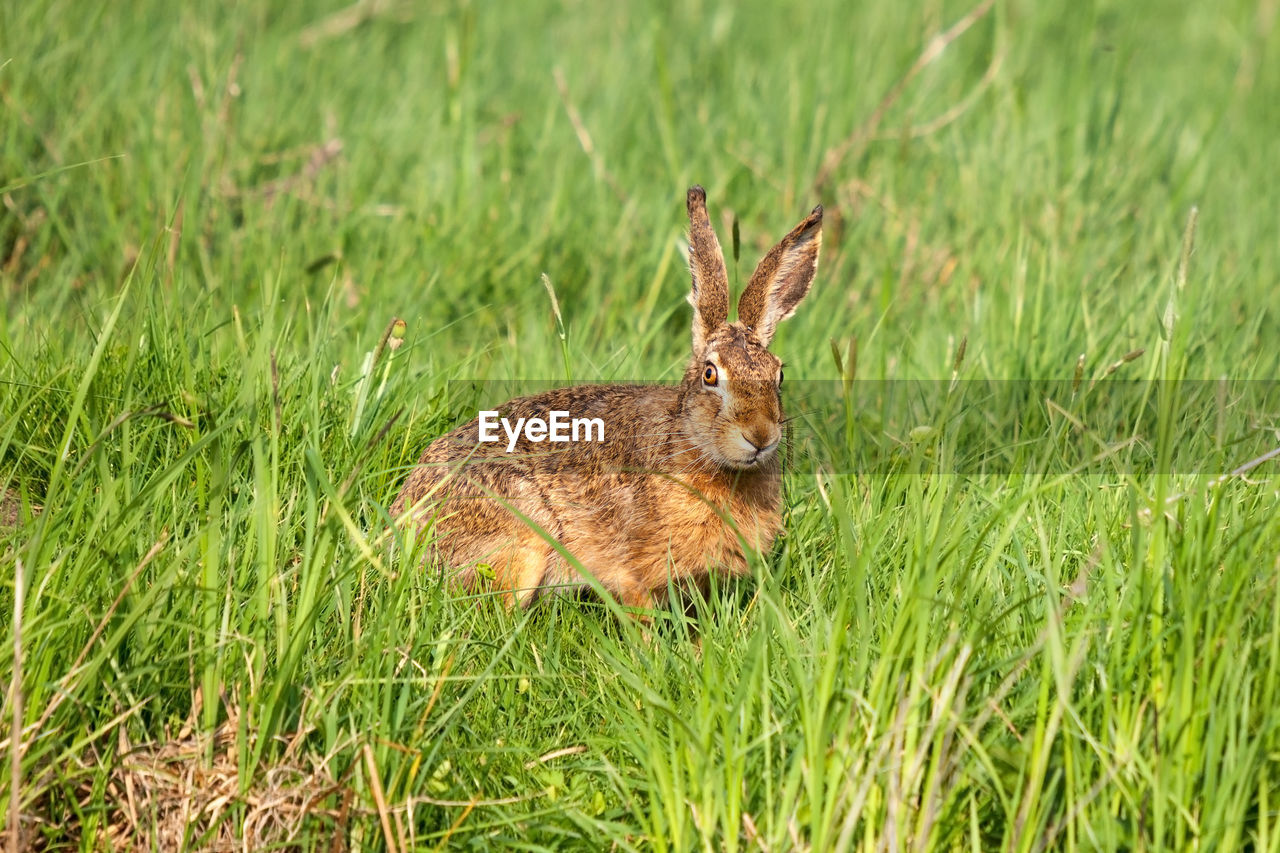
[{"x": 685, "y": 481}]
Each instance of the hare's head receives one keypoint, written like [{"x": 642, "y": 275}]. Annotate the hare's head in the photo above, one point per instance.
[{"x": 731, "y": 401}]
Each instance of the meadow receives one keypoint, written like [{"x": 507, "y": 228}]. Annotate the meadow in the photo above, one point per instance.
[{"x": 211, "y": 218}]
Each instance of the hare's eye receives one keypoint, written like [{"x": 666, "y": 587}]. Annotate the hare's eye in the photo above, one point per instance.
[
  {"x": 780, "y": 375},
  {"x": 710, "y": 376}
]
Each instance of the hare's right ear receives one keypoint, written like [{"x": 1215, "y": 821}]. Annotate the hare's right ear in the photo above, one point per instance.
[{"x": 710, "y": 293}]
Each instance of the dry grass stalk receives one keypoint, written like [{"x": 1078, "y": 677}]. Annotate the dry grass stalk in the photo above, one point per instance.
[
  {"x": 163, "y": 796},
  {"x": 584, "y": 135},
  {"x": 836, "y": 155},
  {"x": 15, "y": 707}
]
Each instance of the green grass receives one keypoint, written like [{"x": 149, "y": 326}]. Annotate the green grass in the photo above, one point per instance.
[{"x": 193, "y": 285}]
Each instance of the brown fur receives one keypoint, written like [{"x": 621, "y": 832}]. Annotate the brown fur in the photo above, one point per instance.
[
  {"x": 686, "y": 482},
  {"x": 782, "y": 278},
  {"x": 709, "y": 294}
]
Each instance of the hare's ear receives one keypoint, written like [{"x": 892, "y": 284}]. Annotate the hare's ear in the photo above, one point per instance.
[
  {"x": 782, "y": 279},
  {"x": 709, "y": 295}
]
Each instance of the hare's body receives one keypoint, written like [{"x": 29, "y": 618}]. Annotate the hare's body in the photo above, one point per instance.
[
  {"x": 684, "y": 482},
  {"x": 608, "y": 503}
]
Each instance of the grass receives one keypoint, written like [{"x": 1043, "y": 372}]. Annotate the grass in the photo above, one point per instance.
[{"x": 211, "y": 218}]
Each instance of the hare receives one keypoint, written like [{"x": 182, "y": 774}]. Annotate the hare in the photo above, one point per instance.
[{"x": 685, "y": 483}]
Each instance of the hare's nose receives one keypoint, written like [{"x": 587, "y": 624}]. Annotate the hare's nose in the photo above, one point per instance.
[{"x": 761, "y": 438}]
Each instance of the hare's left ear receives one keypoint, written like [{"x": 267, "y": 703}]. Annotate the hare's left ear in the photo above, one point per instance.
[{"x": 782, "y": 279}]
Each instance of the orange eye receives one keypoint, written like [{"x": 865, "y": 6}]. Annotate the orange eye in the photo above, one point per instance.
[{"x": 710, "y": 376}]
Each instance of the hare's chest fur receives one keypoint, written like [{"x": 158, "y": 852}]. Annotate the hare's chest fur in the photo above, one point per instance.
[{"x": 660, "y": 530}]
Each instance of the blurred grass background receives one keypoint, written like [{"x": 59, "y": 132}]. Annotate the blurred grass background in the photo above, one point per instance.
[{"x": 210, "y": 216}]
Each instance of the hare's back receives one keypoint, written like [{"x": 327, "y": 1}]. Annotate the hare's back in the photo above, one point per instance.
[
  {"x": 608, "y": 427},
  {"x": 583, "y": 424}
]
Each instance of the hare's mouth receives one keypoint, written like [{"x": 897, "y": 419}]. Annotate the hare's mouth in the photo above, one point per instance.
[
  {"x": 749, "y": 464},
  {"x": 751, "y": 455}
]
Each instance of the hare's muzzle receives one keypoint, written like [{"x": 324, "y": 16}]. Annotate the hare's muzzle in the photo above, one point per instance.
[{"x": 757, "y": 442}]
